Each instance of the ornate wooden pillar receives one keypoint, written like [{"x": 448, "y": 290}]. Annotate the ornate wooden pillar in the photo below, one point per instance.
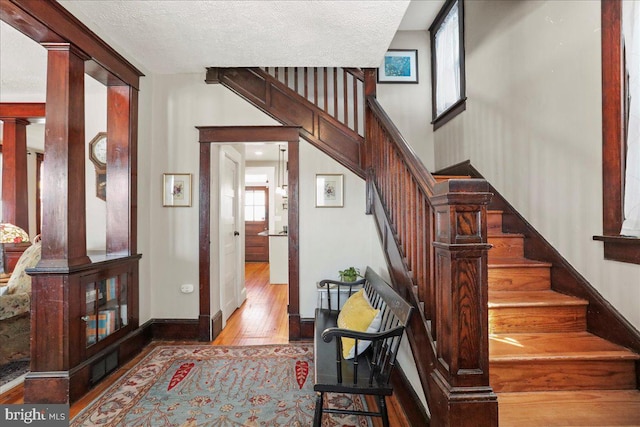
[
  {"x": 63, "y": 229},
  {"x": 15, "y": 207},
  {"x": 461, "y": 380}
]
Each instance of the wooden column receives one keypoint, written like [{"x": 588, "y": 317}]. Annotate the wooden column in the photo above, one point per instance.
[
  {"x": 63, "y": 229},
  {"x": 461, "y": 380},
  {"x": 15, "y": 207},
  {"x": 121, "y": 170}
]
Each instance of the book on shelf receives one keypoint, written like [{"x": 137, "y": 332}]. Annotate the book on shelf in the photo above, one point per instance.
[
  {"x": 111, "y": 286},
  {"x": 105, "y": 325}
]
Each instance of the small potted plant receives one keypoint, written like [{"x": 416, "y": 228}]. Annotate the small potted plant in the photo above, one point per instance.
[{"x": 350, "y": 274}]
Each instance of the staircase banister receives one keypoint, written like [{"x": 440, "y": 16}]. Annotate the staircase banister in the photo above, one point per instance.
[{"x": 425, "y": 180}]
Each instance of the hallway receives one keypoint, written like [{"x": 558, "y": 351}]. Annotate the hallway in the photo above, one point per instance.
[{"x": 262, "y": 318}]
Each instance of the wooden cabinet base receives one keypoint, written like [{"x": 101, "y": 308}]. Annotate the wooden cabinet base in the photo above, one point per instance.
[{"x": 46, "y": 387}]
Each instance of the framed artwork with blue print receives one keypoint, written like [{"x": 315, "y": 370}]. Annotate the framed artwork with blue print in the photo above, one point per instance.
[{"x": 399, "y": 66}]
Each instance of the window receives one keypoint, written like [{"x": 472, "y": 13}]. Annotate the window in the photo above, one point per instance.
[
  {"x": 614, "y": 146},
  {"x": 255, "y": 204},
  {"x": 447, "y": 63}
]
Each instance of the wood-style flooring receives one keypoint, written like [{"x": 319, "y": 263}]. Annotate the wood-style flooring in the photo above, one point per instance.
[{"x": 262, "y": 319}]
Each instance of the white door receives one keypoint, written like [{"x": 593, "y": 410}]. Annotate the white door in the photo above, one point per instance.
[{"x": 229, "y": 234}]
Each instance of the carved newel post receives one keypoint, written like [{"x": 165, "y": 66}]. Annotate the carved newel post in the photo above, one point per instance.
[{"x": 464, "y": 396}]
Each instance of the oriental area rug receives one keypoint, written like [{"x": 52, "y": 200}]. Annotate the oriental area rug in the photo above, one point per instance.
[{"x": 189, "y": 386}]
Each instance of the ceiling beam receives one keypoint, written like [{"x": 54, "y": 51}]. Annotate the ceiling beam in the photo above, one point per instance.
[{"x": 22, "y": 110}]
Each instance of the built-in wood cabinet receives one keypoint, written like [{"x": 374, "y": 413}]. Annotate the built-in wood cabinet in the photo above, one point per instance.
[{"x": 73, "y": 290}]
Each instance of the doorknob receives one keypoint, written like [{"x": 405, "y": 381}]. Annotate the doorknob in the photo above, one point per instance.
[{"x": 236, "y": 233}]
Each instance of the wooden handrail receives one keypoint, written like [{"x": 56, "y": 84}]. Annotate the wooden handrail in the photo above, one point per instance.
[
  {"x": 425, "y": 180},
  {"x": 435, "y": 241}
]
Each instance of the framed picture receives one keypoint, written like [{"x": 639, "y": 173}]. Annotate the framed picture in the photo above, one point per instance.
[
  {"x": 399, "y": 66},
  {"x": 176, "y": 189},
  {"x": 329, "y": 190}
]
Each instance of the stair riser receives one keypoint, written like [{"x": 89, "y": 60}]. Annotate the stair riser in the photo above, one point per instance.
[
  {"x": 506, "y": 247},
  {"x": 519, "y": 279},
  {"x": 494, "y": 222},
  {"x": 537, "y": 319},
  {"x": 518, "y": 376}
]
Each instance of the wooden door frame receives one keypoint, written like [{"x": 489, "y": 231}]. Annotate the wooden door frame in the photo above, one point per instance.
[{"x": 210, "y": 326}]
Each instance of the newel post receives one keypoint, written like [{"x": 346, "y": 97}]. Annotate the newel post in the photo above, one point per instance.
[{"x": 461, "y": 379}]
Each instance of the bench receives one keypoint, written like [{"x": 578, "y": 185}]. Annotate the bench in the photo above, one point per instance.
[{"x": 368, "y": 373}]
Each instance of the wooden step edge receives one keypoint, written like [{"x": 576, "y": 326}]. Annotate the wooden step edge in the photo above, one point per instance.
[
  {"x": 516, "y": 263},
  {"x": 588, "y": 356},
  {"x": 529, "y": 299},
  {"x": 495, "y": 211},
  {"x": 498, "y": 235},
  {"x": 441, "y": 178}
]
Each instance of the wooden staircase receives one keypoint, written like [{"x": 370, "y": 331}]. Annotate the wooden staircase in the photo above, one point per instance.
[
  {"x": 542, "y": 349},
  {"x": 546, "y": 368}
]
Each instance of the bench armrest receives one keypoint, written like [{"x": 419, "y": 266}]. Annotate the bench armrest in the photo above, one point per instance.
[
  {"x": 326, "y": 283},
  {"x": 329, "y": 333}
]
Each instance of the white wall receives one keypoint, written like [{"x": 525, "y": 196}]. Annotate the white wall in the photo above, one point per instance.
[
  {"x": 331, "y": 239},
  {"x": 533, "y": 127},
  {"x": 171, "y": 106},
  {"x": 409, "y": 105}
]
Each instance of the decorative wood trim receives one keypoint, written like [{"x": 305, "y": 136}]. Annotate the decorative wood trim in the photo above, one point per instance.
[
  {"x": 22, "y": 110},
  {"x": 616, "y": 247},
  {"x": 221, "y": 134},
  {"x": 408, "y": 399},
  {"x": 289, "y": 108},
  {"x": 15, "y": 194},
  {"x": 216, "y": 324},
  {"x": 204, "y": 243},
  {"x": 175, "y": 329},
  {"x": 306, "y": 328},
  {"x": 50, "y": 22}
]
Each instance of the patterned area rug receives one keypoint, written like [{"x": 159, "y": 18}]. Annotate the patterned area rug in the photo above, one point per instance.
[{"x": 192, "y": 386}]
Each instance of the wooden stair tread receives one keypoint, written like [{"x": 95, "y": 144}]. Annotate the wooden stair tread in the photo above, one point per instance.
[
  {"x": 570, "y": 408},
  {"x": 493, "y": 233},
  {"x": 554, "y": 346},
  {"x": 440, "y": 178},
  {"x": 516, "y": 262},
  {"x": 498, "y": 299}
]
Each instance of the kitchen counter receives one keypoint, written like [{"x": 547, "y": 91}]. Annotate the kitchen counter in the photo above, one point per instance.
[
  {"x": 278, "y": 257},
  {"x": 273, "y": 233}
]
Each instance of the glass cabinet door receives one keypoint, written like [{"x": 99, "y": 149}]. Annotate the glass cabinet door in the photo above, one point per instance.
[{"x": 106, "y": 307}]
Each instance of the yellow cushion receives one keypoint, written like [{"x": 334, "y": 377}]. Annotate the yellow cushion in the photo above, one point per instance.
[{"x": 357, "y": 315}]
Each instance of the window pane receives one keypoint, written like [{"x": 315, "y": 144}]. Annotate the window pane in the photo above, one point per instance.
[
  {"x": 259, "y": 198},
  {"x": 248, "y": 213},
  {"x": 248, "y": 199},
  {"x": 448, "y": 62},
  {"x": 259, "y": 213}
]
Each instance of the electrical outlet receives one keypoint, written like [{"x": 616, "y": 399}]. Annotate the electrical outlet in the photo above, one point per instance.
[{"x": 186, "y": 289}]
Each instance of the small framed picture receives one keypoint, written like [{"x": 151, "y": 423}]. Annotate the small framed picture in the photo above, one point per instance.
[
  {"x": 176, "y": 189},
  {"x": 399, "y": 66},
  {"x": 329, "y": 190}
]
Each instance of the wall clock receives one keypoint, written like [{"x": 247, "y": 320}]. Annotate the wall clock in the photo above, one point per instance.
[{"x": 98, "y": 156}]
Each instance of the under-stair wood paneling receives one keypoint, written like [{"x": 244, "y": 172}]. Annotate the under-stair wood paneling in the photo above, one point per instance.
[{"x": 289, "y": 108}]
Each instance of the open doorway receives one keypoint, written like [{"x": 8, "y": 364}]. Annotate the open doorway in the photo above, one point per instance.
[{"x": 210, "y": 320}]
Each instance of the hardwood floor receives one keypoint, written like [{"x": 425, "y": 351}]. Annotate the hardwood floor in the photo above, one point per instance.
[{"x": 262, "y": 319}]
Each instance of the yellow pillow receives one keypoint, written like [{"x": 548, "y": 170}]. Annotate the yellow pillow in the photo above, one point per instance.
[{"x": 357, "y": 315}]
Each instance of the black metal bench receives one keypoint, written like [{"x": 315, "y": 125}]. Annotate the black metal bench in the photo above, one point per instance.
[{"x": 367, "y": 373}]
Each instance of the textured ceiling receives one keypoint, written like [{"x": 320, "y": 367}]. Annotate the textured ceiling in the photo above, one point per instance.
[{"x": 186, "y": 36}]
